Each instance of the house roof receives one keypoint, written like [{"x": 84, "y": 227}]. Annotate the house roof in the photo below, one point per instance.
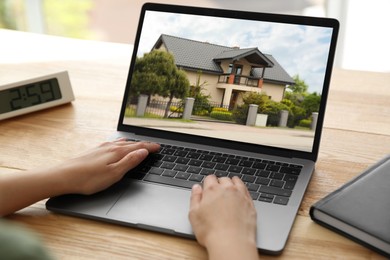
[
  {"x": 253, "y": 55},
  {"x": 196, "y": 55},
  {"x": 275, "y": 74}
]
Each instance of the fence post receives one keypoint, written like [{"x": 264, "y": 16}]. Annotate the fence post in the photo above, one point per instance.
[
  {"x": 314, "y": 117},
  {"x": 283, "y": 118},
  {"x": 252, "y": 113},
  {"x": 188, "y": 106},
  {"x": 141, "y": 106}
]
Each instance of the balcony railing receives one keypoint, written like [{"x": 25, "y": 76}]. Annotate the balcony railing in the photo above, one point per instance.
[{"x": 239, "y": 80}]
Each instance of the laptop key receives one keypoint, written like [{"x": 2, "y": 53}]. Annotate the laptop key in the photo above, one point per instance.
[
  {"x": 206, "y": 171},
  {"x": 248, "y": 178},
  {"x": 277, "y": 183},
  {"x": 289, "y": 185},
  {"x": 252, "y": 186},
  {"x": 245, "y": 163},
  {"x": 275, "y": 191},
  {"x": 206, "y": 157},
  {"x": 196, "y": 177},
  {"x": 263, "y": 173},
  {"x": 249, "y": 171},
  {"x": 193, "y": 155},
  {"x": 234, "y": 168},
  {"x": 221, "y": 166},
  {"x": 232, "y": 161},
  {"x": 169, "y": 158},
  {"x": 169, "y": 173},
  {"x": 277, "y": 175},
  {"x": 269, "y": 196},
  {"x": 290, "y": 170},
  {"x": 281, "y": 200},
  {"x": 194, "y": 162},
  {"x": 168, "y": 165},
  {"x": 209, "y": 165},
  {"x": 168, "y": 151},
  {"x": 218, "y": 159},
  {"x": 194, "y": 169},
  {"x": 263, "y": 181},
  {"x": 221, "y": 173},
  {"x": 263, "y": 199},
  {"x": 232, "y": 174},
  {"x": 181, "y": 167},
  {"x": 183, "y": 175},
  {"x": 182, "y": 160},
  {"x": 273, "y": 167},
  {"x": 259, "y": 165},
  {"x": 157, "y": 171},
  {"x": 180, "y": 153},
  {"x": 169, "y": 181}
]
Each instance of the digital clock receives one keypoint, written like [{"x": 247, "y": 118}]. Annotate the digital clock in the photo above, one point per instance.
[{"x": 35, "y": 94}]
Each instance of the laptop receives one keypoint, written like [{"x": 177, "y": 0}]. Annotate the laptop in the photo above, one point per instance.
[{"x": 224, "y": 92}]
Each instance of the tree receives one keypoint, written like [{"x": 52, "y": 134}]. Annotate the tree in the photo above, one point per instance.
[
  {"x": 153, "y": 74},
  {"x": 300, "y": 85},
  {"x": 297, "y": 92},
  {"x": 178, "y": 88},
  {"x": 156, "y": 74},
  {"x": 202, "y": 106},
  {"x": 304, "y": 103},
  {"x": 311, "y": 103}
]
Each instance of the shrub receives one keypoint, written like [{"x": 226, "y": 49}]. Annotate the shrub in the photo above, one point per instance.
[
  {"x": 240, "y": 114},
  {"x": 203, "y": 112},
  {"x": 226, "y": 116},
  {"x": 305, "y": 123},
  {"x": 273, "y": 111},
  {"x": 219, "y": 109},
  {"x": 176, "y": 109}
]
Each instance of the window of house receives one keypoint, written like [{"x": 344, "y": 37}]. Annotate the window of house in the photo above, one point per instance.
[{"x": 230, "y": 68}]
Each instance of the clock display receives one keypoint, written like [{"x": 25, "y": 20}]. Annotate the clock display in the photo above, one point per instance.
[{"x": 29, "y": 95}]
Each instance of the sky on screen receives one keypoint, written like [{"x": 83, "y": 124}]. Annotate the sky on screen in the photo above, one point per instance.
[{"x": 301, "y": 50}]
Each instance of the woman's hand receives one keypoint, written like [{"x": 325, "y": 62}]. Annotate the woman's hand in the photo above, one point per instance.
[
  {"x": 223, "y": 218},
  {"x": 91, "y": 172},
  {"x": 103, "y": 166}
]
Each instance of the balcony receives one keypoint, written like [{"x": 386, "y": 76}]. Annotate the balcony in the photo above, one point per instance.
[{"x": 240, "y": 80}]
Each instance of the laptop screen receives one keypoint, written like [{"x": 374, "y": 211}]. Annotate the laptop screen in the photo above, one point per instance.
[{"x": 247, "y": 79}]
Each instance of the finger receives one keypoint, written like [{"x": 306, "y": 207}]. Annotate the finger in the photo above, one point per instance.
[
  {"x": 151, "y": 147},
  {"x": 130, "y": 161},
  {"x": 209, "y": 181},
  {"x": 196, "y": 196},
  {"x": 225, "y": 181},
  {"x": 121, "y": 139},
  {"x": 240, "y": 185}
]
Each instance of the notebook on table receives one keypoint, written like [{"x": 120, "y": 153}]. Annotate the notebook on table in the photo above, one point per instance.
[{"x": 211, "y": 86}]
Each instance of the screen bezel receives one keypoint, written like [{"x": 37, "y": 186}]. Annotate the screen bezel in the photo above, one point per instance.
[{"x": 268, "y": 17}]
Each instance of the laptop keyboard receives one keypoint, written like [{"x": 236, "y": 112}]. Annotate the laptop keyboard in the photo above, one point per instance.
[{"x": 268, "y": 181}]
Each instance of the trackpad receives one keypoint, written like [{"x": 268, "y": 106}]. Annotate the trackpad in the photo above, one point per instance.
[{"x": 156, "y": 207}]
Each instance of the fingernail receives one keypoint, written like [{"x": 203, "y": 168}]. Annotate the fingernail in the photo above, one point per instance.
[
  {"x": 142, "y": 152},
  {"x": 196, "y": 187}
]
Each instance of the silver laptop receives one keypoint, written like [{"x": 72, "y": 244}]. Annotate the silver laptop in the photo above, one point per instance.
[{"x": 224, "y": 92}]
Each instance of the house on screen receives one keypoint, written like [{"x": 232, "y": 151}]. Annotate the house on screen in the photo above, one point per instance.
[{"x": 228, "y": 71}]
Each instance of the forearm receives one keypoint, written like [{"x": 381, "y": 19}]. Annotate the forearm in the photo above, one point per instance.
[{"x": 20, "y": 190}]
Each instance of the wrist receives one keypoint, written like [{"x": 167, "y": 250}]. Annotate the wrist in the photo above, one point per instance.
[{"x": 231, "y": 247}]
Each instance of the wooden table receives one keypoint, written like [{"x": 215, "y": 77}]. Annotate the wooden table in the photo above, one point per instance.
[{"x": 356, "y": 134}]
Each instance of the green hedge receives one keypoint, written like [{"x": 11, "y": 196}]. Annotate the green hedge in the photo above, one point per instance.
[
  {"x": 305, "y": 123},
  {"x": 220, "y": 115},
  {"x": 220, "y": 109}
]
